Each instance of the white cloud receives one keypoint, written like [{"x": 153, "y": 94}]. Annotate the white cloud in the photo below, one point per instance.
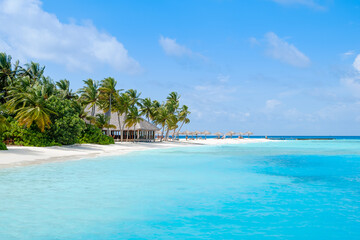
[
  {"x": 307, "y": 3},
  {"x": 29, "y": 33},
  {"x": 172, "y": 48},
  {"x": 272, "y": 103},
  {"x": 283, "y": 51},
  {"x": 356, "y": 63},
  {"x": 349, "y": 53}
]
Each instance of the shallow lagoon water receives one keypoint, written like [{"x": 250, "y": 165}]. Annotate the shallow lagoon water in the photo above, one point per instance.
[{"x": 271, "y": 190}]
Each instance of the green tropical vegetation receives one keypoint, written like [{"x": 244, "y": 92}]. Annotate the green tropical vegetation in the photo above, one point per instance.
[{"x": 37, "y": 111}]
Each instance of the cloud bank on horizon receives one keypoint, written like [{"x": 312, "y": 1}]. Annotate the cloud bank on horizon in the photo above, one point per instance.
[{"x": 28, "y": 32}]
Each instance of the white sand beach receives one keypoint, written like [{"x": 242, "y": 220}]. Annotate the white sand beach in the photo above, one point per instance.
[{"x": 22, "y": 156}]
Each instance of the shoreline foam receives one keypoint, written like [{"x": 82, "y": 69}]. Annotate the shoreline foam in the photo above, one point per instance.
[{"x": 24, "y": 156}]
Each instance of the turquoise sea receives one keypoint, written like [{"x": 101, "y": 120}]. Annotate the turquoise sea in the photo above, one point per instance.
[{"x": 272, "y": 190}]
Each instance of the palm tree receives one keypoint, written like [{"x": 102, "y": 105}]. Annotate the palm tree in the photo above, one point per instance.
[
  {"x": 172, "y": 105},
  {"x": 145, "y": 108},
  {"x": 183, "y": 116},
  {"x": 107, "y": 92},
  {"x": 15, "y": 92},
  {"x": 121, "y": 106},
  {"x": 90, "y": 94},
  {"x": 174, "y": 97},
  {"x": 162, "y": 115},
  {"x": 31, "y": 107},
  {"x": 83, "y": 114},
  {"x": 3, "y": 122},
  {"x": 172, "y": 123},
  {"x": 133, "y": 118},
  {"x": 134, "y": 96},
  {"x": 154, "y": 108},
  {"x": 48, "y": 87},
  {"x": 7, "y": 74},
  {"x": 102, "y": 121},
  {"x": 64, "y": 89},
  {"x": 34, "y": 71}
]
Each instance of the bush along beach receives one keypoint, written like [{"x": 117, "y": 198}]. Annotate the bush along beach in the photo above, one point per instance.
[{"x": 37, "y": 111}]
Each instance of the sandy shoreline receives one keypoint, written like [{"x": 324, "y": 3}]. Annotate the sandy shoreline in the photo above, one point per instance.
[{"x": 23, "y": 156}]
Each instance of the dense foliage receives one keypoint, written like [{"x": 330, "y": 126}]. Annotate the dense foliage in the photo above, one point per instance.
[
  {"x": 2, "y": 146},
  {"x": 93, "y": 134},
  {"x": 36, "y": 111}
]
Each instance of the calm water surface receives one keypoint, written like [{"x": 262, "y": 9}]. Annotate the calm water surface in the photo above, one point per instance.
[{"x": 276, "y": 190}]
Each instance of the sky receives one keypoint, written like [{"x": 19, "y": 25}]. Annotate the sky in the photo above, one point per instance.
[{"x": 273, "y": 67}]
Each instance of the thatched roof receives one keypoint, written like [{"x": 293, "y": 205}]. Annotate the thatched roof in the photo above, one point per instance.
[{"x": 143, "y": 125}]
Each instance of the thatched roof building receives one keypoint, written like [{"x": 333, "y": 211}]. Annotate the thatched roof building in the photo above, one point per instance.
[{"x": 144, "y": 130}]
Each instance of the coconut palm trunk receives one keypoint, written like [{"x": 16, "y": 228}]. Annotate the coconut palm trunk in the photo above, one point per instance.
[
  {"x": 162, "y": 133},
  {"x": 182, "y": 124},
  {"x": 167, "y": 134},
  {"x": 122, "y": 129},
  {"x": 120, "y": 125},
  {"x": 109, "y": 114},
  {"x": 134, "y": 133}
]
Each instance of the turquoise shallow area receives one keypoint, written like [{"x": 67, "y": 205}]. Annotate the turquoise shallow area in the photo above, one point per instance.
[{"x": 273, "y": 190}]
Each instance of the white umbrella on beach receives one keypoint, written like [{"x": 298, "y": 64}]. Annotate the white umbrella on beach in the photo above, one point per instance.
[
  {"x": 249, "y": 133},
  {"x": 231, "y": 133},
  {"x": 206, "y": 133}
]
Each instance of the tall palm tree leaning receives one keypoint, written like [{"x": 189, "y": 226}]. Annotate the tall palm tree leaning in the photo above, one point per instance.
[
  {"x": 162, "y": 115},
  {"x": 90, "y": 94},
  {"x": 172, "y": 124},
  {"x": 133, "y": 118},
  {"x": 172, "y": 105},
  {"x": 174, "y": 97},
  {"x": 108, "y": 91},
  {"x": 183, "y": 116}
]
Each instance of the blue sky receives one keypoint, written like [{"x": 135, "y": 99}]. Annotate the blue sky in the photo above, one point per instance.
[{"x": 275, "y": 67}]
